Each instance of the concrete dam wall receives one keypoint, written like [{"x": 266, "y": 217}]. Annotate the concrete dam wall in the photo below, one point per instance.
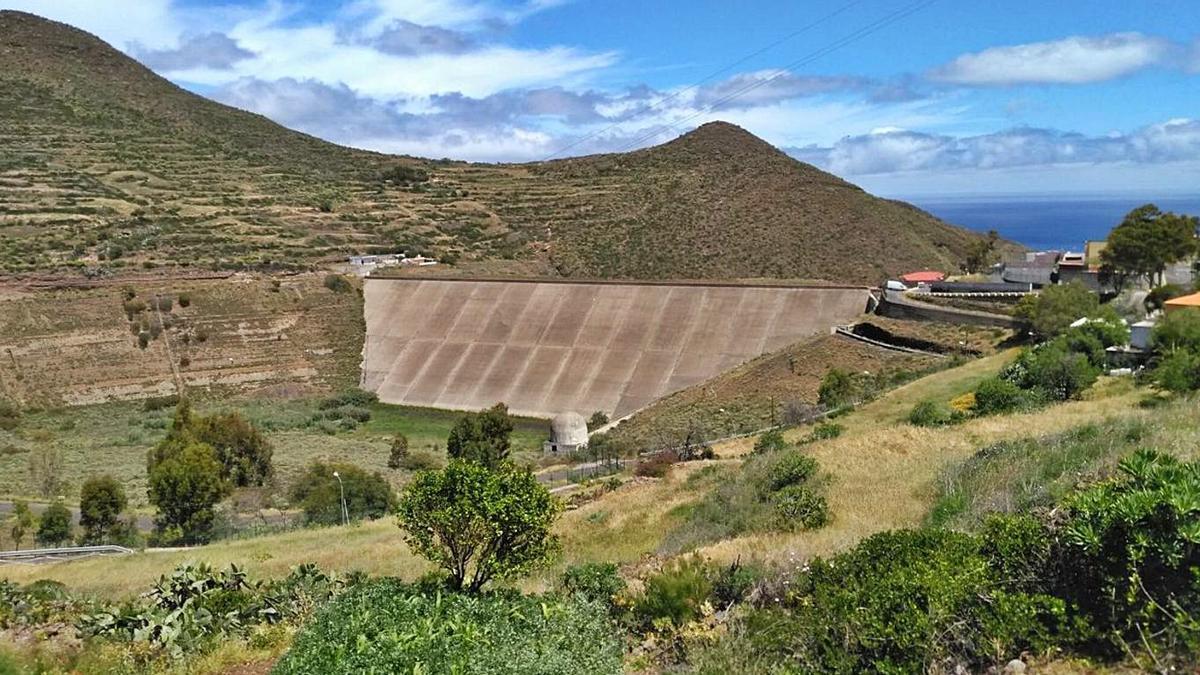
[{"x": 550, "y": 347}]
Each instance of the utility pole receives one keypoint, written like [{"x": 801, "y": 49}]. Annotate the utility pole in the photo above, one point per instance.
[{"x": 342, "y": 490}]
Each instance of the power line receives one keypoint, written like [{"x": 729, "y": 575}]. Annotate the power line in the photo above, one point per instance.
[
  {"x": 824, "y": 51},
  {"x": 803, "y": 29}
]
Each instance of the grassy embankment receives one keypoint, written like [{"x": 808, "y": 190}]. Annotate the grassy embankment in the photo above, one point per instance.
[
  {"x": 883, "y": 473},
  {"x": 114, "y": 438}
]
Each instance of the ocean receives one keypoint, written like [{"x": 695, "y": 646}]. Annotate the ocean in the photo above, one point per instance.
[{"x": 1046, "y": 223}]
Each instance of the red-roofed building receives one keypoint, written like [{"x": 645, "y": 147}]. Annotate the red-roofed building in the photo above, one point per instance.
[{"x": 924, "y": 277}]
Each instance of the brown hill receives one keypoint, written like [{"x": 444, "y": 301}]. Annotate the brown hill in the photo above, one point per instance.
[{"x": 107, "y": 166}]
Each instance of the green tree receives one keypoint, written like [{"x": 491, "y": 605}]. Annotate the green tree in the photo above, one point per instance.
[
  {"x": 1177, "y": 331},
  {"x": 319, "y": 493},
  {"x": 479, "y": 524},
  {"x": 597, "y": 420},
  {"x": 1052, "y": 311},
  {"x": 23, "y": 522},
  {"x": 1148, "y": 240},
  {"x": 242, "y": 451},
  {"x": 185, "y": 486},
  {"x": 483, "y": 437},
  {"x": 55, "y": 527},
  {"x": 101, "y": 501},
  {"x": 399, "y": 452},
  {"x": 981, "y": 253}
]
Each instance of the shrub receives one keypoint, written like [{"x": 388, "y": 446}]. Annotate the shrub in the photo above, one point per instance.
[
  {"x": 824, "y": 431},
  {"x": 733, "y": 582},
  {"x": 10, "y": 415},
  {"x": 793, "y": 468},
  {"x": 1179, "y": 372},
  {"x": 1052, "y": 370},
  {"x": 388, "y": 626},
  {"x": 185, "y": 300},
  {"x": 1177, "y": 331},
  {"x": 55, "y": 527},
  {"x": 995, "y": 396},
  {"x": 398, "y": 453},
  {"x": 799, "y": 507},
  {"x": 674, "y": 595},
  {"x": 911, "y": 601},
  {"x": 657, "y": 465},
  {"x": 420, "y": 460},
  {"x": 1159, "y": 295},
  {"x": 337, "y": 283},
  {"x": 837, "y": 389},
  {"x": 156, "y": 403},
  {"x": 594, "y": 581},
  {"x": 480, "y": 524},
  {"x": 319, "y": 493},
  {"x": 770, "y": 441},
  {"x": 349, "y": 397},
  {"x": 931, "y": 413},
  {"x": 1132, "y": 555}
]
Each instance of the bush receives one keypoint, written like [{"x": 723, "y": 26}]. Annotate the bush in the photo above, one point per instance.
[
  {"x": 799, "y": 507},
  {"x": 911, "y": 601},
  {"x": 931, "y": 413},
  {"x": 101, "y": 501},
  {"x": 996, "y": 396},
  {"x": 336, "y": 282},
  {"x": 391, "y": 627},
  {"x": 398, "y": 453},
  {"x": 420, "y": 460},
  {"x": 657, "y": 465},
  {"x": 594, "y": 582},
  {"x": 734, "y": 582},
  {"x": 319, "y": 493},
  {"x": 349, "y": 397},
  {"x": 185, "y": 300},
  {"x": 1177, "y": 331},
  {"x": 792, "y": 469},
  {"x": 1159, "y": 295},
  {"x": 770, "y": 441},
  {"x": 55, "y": 527},
  {"x": 824, "y": 431},
  {"x": 1053, "y": 371},
  {"x": 10, "y": 415},
  {"x": 1178, "y": 373},
  {"x": 674, "y": 595},
  {"x": 156, "y": 403},
  {"x": 1050, "y": 312},
  {"x": 597, "y": 420},
  {"x": 1131, "y": 549},
  {"x": 837, "y": 389}
]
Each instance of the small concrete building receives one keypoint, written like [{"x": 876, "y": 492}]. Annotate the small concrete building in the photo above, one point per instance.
[{"x": 568, "y": 433}]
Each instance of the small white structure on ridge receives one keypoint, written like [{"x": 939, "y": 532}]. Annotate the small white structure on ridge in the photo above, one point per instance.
[{"x": 568, "y": 433}]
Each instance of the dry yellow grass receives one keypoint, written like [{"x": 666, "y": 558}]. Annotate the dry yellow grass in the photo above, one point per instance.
[
  {"x": 621, "y": 526},
  {"x": 882, "y": 472}
]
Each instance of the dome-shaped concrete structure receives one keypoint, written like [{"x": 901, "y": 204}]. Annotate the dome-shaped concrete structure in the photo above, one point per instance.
[{"x": 568, "y": 433}]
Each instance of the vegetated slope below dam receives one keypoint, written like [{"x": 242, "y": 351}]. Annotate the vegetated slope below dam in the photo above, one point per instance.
[
  {"x": 106, "y": 165},
  {"x": 549, "y": 347}
]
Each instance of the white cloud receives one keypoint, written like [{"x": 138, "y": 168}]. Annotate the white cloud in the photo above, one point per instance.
[
  {"x": 899, "y": 151},
  {"x": 1072, "y": 60}
]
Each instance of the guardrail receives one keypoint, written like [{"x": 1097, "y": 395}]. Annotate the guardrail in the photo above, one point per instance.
[{"x": 37, "y": 556}]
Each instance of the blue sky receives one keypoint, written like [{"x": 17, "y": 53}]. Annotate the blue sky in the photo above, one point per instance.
[{"x": 943, "y": 97}]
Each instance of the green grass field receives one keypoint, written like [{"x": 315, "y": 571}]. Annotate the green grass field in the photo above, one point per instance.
[{"x": 113, "y": 438}]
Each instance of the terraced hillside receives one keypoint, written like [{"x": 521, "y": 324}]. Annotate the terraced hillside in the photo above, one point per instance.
[
  {"x": 137, "y": 339},
  {"x": 104, "y": 166}
]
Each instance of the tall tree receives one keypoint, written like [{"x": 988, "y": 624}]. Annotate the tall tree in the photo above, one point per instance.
[
  {"x": 101, "y": 501},
  {"x": 1148, "y": 240},
  {"x": 242, "y": 451},
  {"x": 185, "y": 486},
  {"x": 981, "y": 253},
  {"x": 483, "y": 437}
]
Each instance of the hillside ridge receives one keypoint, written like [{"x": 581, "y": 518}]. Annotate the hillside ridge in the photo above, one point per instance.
[{"x": 108, "y": 167}]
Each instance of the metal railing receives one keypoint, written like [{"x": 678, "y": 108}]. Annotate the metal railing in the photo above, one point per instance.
[{"x": 36, "y": 556}]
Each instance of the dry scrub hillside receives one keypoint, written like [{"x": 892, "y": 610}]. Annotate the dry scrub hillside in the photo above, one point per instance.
[
  {"x": 242, "y": 333},
  {"x": 103, "y": 164}
]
